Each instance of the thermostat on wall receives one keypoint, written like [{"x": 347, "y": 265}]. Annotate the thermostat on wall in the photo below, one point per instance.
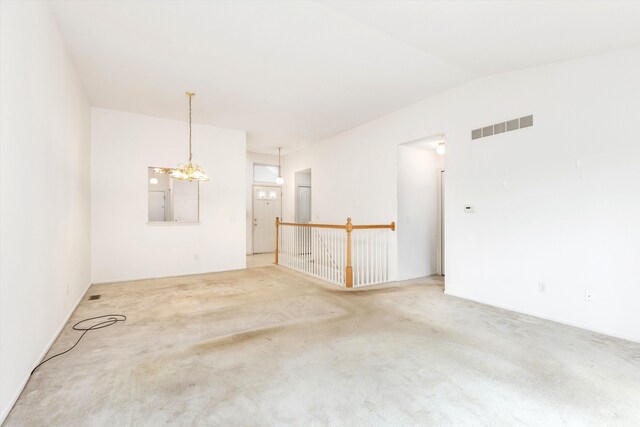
[{"x": 469, "y": 208}]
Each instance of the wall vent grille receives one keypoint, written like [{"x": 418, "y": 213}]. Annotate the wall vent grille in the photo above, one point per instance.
[{"x": 502, "y": 127}]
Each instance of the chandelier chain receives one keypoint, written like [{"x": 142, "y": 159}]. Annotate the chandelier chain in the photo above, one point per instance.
[{"x": 190, "y": 155}]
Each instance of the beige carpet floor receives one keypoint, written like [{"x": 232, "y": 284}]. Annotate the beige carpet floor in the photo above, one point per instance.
[{"x": 267, "y": 346}]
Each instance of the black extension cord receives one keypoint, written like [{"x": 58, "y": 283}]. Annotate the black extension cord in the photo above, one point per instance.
[{"x": 111, "y": 319}]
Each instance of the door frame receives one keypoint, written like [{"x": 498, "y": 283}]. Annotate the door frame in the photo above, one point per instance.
[
  {"x": 441, "y": 266},
  {"x": 253, "y": 211}
]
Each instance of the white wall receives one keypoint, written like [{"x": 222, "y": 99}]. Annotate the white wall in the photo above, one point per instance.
[
  {"x": 303, "y": 178},
  {"x": 418, "y": 211},
  {"x": 355, "y": 173},
  {"x": 265, "y": 159},
  {"x": 124, "y": 246},
  {"x": 539, "y": 217},
  {"x": 44, "y": 190}
]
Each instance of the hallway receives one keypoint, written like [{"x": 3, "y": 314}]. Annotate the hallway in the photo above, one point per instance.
[
  {"x": 260, "y": 260},
  {"x": 268, "y": 346}
]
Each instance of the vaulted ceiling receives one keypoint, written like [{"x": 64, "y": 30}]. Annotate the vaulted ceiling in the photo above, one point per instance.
[{"x": 294, "y": 72}]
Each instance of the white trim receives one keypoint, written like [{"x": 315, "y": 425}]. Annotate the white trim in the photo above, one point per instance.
[
  {"x": 538, "y": 316},
  {"x": 7, "y": 410},
  {"x": 440, "y": 268},
  {"x": 138, "y": 279}
]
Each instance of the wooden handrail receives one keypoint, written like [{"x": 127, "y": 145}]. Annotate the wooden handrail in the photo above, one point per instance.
[
  {"x": 348, "y": 227},
  {"x": 391, "y": 226},
  {"x": 313, "y": 225}
]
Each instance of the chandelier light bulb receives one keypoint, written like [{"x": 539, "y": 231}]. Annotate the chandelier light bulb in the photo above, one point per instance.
[
  {"x": 153, "y": 181},
  {"x": 279, "y": 180}
]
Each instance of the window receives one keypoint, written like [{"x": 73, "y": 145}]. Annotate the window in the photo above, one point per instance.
[
  {"x": 263, "y": 195},
  {"x": 171, "y": 200},
  {"x": 264, "y": 173}
]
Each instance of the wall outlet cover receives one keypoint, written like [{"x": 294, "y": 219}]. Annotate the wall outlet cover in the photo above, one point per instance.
[{"x": 588, "y": 296}]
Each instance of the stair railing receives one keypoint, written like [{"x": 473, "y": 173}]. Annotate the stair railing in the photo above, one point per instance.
[{"x": 334, "y": 252}]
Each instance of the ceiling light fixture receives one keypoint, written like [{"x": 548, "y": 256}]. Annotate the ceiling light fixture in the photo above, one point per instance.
[
  {"x": 190, "y": 171},
  {"x": 153, "y": 180},
  {"x": 440, "y": 148},
  {"x": 279, "y": 179}
]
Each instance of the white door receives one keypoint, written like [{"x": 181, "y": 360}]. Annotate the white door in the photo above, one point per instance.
[
  {"x": 304, "y": 205},
  {"x": 156, "y": 205},
  {"x": 267, "y": 203}
]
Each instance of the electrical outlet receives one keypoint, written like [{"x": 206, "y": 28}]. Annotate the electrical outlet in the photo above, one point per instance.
[
  {"x": 588, "y": 296},
  {"x": 542, "y": 287}
]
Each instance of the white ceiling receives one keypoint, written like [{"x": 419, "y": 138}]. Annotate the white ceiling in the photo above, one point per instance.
[{"x": 295, "y": 72}]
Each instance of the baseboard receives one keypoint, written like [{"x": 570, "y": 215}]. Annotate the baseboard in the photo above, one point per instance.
[
  {"x": 139, "y": 279},
  {"x": 538, "y": 316},
  {"x": 7, "y": 410}
]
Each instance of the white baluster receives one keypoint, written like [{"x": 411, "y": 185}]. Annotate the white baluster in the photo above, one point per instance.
[
  {"x": 333, "y": 256},
  {"x": 380, "y": 235},
  {"x": 325, "y": 251},
  {"x": 368, "y": 244},
  {"x": 306, "y": 250},
  {"x": 377, "y": 245}
]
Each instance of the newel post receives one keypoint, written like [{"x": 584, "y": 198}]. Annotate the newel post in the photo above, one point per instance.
[
  {"x": 277, "y": 237},
  {"x": 349, "y": 271}
]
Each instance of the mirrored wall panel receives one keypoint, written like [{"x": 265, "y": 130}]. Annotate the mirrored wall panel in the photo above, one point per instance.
[{"x": 172, "y": 200}]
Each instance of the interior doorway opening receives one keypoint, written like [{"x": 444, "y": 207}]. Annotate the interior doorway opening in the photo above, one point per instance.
[
  {"x": 420, "y": 215},
  {"x": 302, "y": 182}
]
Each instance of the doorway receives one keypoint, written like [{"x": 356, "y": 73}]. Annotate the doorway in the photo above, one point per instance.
[
  {"x": 303, "y": 202},
  {"x": 267, "y": 205},
  {"x": 302, "y": 182},
  {"x": 419, "y": 213}
]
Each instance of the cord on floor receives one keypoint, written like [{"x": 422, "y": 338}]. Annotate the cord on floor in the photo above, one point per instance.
[{"x": 110, "y": 319}]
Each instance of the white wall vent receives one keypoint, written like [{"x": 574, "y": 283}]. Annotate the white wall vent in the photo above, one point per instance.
[{"x": 506, "y": 126}]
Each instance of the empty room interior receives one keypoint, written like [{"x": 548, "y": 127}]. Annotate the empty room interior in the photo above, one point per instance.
[{"x": 307, "y": 212}]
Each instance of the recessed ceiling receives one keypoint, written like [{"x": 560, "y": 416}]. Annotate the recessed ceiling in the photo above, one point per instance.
[{"x": 295, "y": 72}]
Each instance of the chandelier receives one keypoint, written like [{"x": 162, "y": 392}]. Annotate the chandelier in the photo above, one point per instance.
[{"x": 189, "y": 171}]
